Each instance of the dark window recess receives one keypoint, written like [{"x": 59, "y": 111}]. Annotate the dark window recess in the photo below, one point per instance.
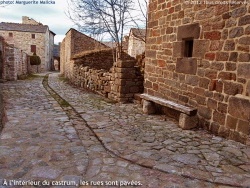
[
  {"x": 188, "y": 47},
  {"x": 33, "y": 36},
  {"x": 10, "y": 34},
  {"x": 33, "y": 48}
]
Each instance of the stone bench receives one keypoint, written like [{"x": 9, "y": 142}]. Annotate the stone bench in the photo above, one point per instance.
[{"x": 188, "y": 118}]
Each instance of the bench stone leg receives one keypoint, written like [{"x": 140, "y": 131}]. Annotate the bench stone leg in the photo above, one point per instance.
[
  {"x": 148, "y": 107},
  {"x": 187, "y": 122}
]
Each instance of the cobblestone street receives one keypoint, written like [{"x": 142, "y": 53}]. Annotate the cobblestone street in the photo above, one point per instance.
[{"x": 57, "y": 133}]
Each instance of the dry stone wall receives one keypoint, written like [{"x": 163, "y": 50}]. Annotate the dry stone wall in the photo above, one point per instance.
[
  {"x": 75, "y": 43},
  {"x": 197, "y": 54},
  {"x": 96, "y": 71},
  {"x": 15, "y": 63},
  {"x": 2, "y": 112}
]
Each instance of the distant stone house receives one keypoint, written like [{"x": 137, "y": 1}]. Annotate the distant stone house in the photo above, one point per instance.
[
  {"x": 31, "y": 37},
  {"x": 75, "y": 42},
  {"x": 198, "y": 55},
  {"x": 56, "y": 54},
  {"x": 136, "y": 41}
]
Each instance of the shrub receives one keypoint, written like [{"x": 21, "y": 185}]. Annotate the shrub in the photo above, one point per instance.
[{"x": 35, "y": 59}]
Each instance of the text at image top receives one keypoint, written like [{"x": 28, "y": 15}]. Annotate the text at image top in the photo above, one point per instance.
[{"x": 209, "y": 2}]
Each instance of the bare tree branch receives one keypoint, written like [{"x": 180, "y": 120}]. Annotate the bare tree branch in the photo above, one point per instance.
[{"x": 98, "y": 17}]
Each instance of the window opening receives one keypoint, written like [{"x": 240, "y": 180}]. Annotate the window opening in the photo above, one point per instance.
[{"x": 188, "y": 47}]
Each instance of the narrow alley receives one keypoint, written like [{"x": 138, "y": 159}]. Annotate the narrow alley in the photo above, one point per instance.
[{"x": 57, "y": 135}]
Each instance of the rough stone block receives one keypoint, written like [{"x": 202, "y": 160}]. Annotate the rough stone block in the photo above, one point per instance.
[
  {"x": 212, "y": 35},
  {"x": 187, "y": 122},
  {"x": 230, "y": 66},
  {"x": 188, "y": 31},
  {"x": 245, "y": 57},
  {"x": 222, "y": 56},
  {"x": 231, "y": 88},
  {"x": 178, "y": 49},
  {"x": 214, "y": 128},
  {"x": 244, "y": 40},
  {"x": 186, "y": 65},
  {"x": 229, "y": 45},
  {"x": 236, "y": 32},
  {"x": 205, "y": 14},
  {"x": 227, "y": 76},
  {"x": 217, "y": 66},
  {"x": 148, "y": 107},
  {"x": 200, "y": 48},
  {"x": 239, "y": 12},
  {"x": 244, "y": 127},
  {"x": 233, "y": 56},
  {"x": 219, "y": 117},
  {"x": 205, "y": 112},
  {"x": 223, "y": 132},
  {"x": 248, "y": 89},
  {"x": 239, "y": 107},
  {"x": 125, "y": 64},
  {"x": 244, "y": 70},
  {"x": 204, "y": 83},
  {"x": 244, "y": 20}
]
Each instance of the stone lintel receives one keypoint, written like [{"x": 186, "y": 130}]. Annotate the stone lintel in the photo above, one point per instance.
[{"x": 188, "y": 31}]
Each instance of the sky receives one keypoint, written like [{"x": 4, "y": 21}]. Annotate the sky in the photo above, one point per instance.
[{"x": 52, "y": 15}]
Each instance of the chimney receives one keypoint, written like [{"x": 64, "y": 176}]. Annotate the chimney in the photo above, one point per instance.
[{"x": 25, "y": 19}]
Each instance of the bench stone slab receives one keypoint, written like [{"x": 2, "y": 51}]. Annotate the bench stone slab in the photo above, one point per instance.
[
  {"x": 188, "y": 118},
  {"x": 181, "y": 108}
]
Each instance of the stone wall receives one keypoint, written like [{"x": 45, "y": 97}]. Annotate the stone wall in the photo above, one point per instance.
[
  {"x": 44, "y": 42},
  {"x": 96, "y": 71},
  {"x": 74, "y": 43},
  {"x": 2, "y": 112},
  {"x": 15, "y": 63},
  {"x": 1, "y": 56},
  {"x": 198, "y": 55}
]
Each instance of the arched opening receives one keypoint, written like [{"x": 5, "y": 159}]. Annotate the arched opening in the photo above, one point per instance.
[{"x": 57, "y": 63}]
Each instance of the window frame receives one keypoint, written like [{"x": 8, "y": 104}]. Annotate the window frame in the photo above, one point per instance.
[
  {"x": 11, "y": 34},
  {"x": 33, "y": 48}
]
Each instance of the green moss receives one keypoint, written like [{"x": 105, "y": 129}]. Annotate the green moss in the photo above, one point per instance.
[
  {"x": 35, "y": 59},
  {"x": 33, "y": 76}
]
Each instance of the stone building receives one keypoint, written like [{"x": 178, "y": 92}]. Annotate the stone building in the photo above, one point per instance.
[
  {"x": 74, "y": 43},
  {"x": 14, "y": 62},
  {"x": 31, "y": 37},
  {"x": 56, "y": 55},
  {"x": 197, "y": 55},
  {"x": 136, "y": 41}
]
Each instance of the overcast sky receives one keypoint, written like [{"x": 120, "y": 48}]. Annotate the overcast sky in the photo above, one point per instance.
[{"x": 51, "y": 15}]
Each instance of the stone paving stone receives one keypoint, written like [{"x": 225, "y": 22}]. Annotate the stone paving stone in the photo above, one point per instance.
[
  {"x": 44, "y": 141},
  {"x": 135, "y": 135},
  {"x": 47, "y": 141}
]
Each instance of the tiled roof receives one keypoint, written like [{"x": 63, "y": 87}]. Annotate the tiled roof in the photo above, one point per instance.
[
  {"x": 23, "y": 27},
  {"x": 139, "y": 33}
]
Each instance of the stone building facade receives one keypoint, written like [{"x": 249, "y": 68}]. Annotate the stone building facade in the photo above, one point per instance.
[
  {"x": 198, "y": 55},
  {"x": 136, "y": 42},
  {"x": 14, "y": 63},
  {"x": 30, "y": 36},
  {"x": 74, "y": 43}
]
